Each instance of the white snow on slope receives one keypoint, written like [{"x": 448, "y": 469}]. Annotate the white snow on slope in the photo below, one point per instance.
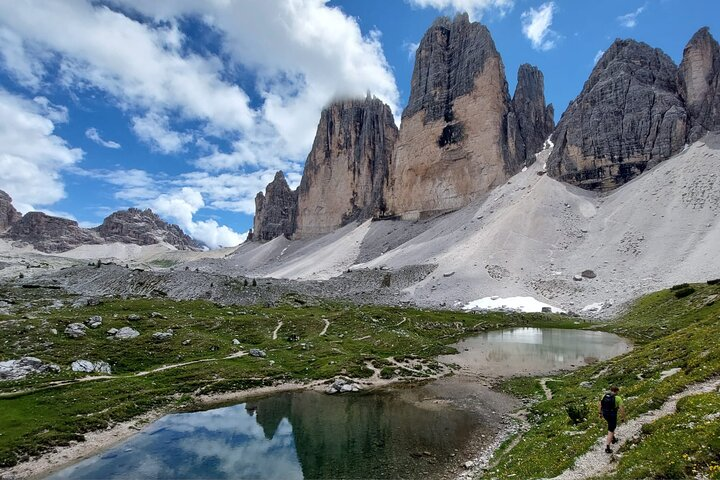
[{"x": 518, "y": 304}]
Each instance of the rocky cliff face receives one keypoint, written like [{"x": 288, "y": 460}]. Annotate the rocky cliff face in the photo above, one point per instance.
[
  {"x": 347, "y": 168},
  {"x": 699, "y": 83},
  {"x": 460, "y": 136},
  {"x": 143, "y": 227},
  {"x": 51, "y": 234},
  {"x": 535, "y": 119},
  {"x": 275, "y": 211},
  {"x": 8, "y": 214},
  {"x": 628, "y": 116},
  {"x": 54, "y": 234}
]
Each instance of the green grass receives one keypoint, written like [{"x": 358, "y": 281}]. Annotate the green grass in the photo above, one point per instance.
[
  {"x": 668, "y": 332},
  {"x": 34, "y": 416}
]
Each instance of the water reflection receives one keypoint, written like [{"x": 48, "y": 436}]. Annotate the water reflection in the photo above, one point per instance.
[
  {"x": 535, "y": 350},
  {"x": 293, "y": 435}
]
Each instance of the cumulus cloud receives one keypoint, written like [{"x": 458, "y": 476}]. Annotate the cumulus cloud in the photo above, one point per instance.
[
  {"x": 32, "y": 157},
  {"x": 154, "y": 129},
  {"x": 536, "y": 26},
  {"x": 94, "y": 135},
  {"x": 411, "y": 48},
  {"x": 182, "y": 205},
  {"x": 474, "y": 8},
  {"x": 629, "y": 20}
]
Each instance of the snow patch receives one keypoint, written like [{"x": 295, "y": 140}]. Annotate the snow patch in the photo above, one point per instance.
[
  {"x": 519, "y": 304},
  {"x": 593, "y": 307}
]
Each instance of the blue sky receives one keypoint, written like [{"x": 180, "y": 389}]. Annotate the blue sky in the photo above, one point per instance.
[{"x": 190, "y": 106}]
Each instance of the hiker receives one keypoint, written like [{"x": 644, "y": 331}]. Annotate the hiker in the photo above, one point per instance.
[{"x": 610, "y": 405}]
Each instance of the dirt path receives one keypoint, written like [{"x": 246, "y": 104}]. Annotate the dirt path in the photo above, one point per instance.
[
  {"x": 548, "y": 392},
  {"x": 277, "y": 329},
  {"x": 597, "y": 463},
  {"x": 327, "y": 324}
]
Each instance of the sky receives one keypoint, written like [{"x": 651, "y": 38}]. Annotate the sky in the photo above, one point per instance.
[{"x": 189, "y": 107}]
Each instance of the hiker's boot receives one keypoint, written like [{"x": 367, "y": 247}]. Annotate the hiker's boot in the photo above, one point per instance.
[
  {"x": 608, "y": 449},
  {"x": 615, "y": 440}
]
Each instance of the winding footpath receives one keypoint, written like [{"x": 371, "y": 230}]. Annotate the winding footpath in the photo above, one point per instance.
[{"x": 597, "y": 463}]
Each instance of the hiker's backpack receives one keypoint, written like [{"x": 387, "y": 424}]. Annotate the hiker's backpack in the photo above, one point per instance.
[{"x": 607, "y": 404}]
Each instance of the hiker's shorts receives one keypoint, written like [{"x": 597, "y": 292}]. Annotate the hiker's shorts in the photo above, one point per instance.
[{"x": 611, "y": 421}]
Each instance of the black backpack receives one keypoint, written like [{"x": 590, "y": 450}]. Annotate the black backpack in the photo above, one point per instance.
[{"x": 607, "y": 404}]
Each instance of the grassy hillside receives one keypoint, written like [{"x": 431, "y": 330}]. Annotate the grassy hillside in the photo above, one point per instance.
[
  {"x": 36, "y": 415},
  {"x": 672, "y": 329}
]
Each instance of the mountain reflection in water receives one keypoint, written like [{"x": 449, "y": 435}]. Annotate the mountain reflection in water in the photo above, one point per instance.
[{"x": 291, "y": 435}]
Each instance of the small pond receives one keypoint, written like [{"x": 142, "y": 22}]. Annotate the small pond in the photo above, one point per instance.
[
  {"x": 534, "y": 351},
  {"x": 393, "y": 433}
]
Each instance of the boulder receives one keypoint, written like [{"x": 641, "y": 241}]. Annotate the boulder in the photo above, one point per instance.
[
  {"x": 588, "y": 274},
  {"x": 89, "y": 367},
  {"x": 159, "y": 337},
  {"x": 236, "y": 341},
  {"x": 126, "y": 333},
  {"x": 133, "y": 317},
  {"x": 112, "y": 331},
  {"x": 342, "y": 385},
  {"x": 20, "y": 368},
  {"x": 94, "y": 322},
  {"x": 255, "y": 352},
  {"x": 75, "y": 330}
]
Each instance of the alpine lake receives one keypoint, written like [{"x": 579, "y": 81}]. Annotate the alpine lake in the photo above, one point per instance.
[{"x": 424, "y": 430}]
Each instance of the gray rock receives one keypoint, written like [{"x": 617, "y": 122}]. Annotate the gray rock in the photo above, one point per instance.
[
  {"x": 157, "y": 315},
  {"x": 535, "y": 119},
  {"x": 54, "y": 331},
  {"x": 126, "y": 333},
  {"x": 75, "y": 330},
  {"x": 699, "y": 83},
  {"x": 448, "y": 274},
  {"x": 187, "y": 342},
  {"x": 546, "y": 310},
  {"x": 143, "y": 227},
  {"x": 94, "y": 322},
  {"x": 18, "y": 369},
  {"x": 255, "y": 352},
  {"x": 275, "y": 211},
  {"x": 82, "y": 366},
  {"x": 133, "y": 317},
  {"x": 112, "y": 331},
  {"x": 236, "y": 341},
  {"x": 89, "y": 367},
  {"x": 159, "y": 337},
  {"x": 342, "y": 385},
  {"x": 8, "y": 214},
  {"x": 588, "y": 274},
  {"x": 50, "y": 234},
  {"x": 577, "y": 278},
  {"x": 628, "y": 117}
]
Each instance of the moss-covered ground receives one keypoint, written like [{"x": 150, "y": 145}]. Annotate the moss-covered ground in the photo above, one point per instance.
[
  {"x": 669, "y": 333},
  {"x": 37, "y": 414}
]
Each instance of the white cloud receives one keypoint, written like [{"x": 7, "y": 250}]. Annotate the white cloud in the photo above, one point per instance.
[
  {"x": 411, "y": 48},
  {"x": 474, "y": 8},
  {"x": 536, "y": 26},
  {"x": 31, "y": 156},
  {"x": 94, "y": 135},
  {"x": 23, "y": 66},
  {"x": 182, "y": 205},
  {"x": 598, "y": 55},
  {"x": 629, "y": 20},
  {"x": 154, "y": 129},
  {"x": 55, "y": 113}
]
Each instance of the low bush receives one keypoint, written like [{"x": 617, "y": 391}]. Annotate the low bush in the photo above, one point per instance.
[{"x": 684, "y": 292}]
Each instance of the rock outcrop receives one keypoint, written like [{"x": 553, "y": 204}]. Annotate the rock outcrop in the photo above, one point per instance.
[
  {"x": 460, "y": 136},
  {"x": 699, "y": 83},
  {"x": 346, "y": 171},
  {"x": 274, "y": 211},
  {"x": 8, "y": 214},
  {"x": 628, "y": 116},
  {"x": 535, "y": 119},
  {"x": 143, "y": 227},
  {"x": 55, "y": 234},
  {"x": 51, "y": 234}
]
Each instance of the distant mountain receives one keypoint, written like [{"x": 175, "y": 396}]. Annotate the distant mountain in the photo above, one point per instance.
[{"x": 54, "y": 234}]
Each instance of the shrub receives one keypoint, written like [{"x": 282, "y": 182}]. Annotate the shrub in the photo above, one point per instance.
[
  {"x": 578, "y": 412},
  {"x": 715, "y": 281},
  {"x": 679, "y": 287},
  {"x": 684, "y": 292}
]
